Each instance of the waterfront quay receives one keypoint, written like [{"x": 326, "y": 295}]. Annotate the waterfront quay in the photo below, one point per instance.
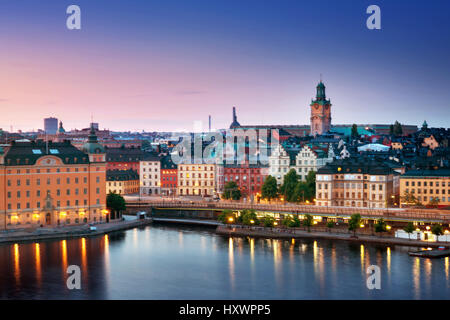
[{"x": 68, "y": 232}]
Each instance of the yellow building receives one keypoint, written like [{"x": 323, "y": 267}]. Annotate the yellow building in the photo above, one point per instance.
[
  {"x": 122, "y": 181},
  {"x": 426, "y": 186},
  {"x": 196, "y": 179}
]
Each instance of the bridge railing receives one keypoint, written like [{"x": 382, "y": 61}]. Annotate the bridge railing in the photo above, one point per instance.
[{"x": 406, "y": 213}]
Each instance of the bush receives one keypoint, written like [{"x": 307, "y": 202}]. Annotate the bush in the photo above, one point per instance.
[
  {"x": 268, "y": 221},
  {"x": 249, "y": 217},
  {"x": 225, "y": 215}
]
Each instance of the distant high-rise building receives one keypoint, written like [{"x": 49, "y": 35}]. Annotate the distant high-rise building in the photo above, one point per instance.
[
  {"x": 94, "y": 125},
  {"x": 50, "y": 125}
]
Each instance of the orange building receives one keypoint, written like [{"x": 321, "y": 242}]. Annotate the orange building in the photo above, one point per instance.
[{"x": 51, "y": 184}]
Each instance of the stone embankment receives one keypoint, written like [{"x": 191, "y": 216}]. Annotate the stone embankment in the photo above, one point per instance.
[
  {"x": 282, "y": 233},
  {"x": 69, "y": 232}
]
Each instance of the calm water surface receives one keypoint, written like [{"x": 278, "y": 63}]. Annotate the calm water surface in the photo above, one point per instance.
[{"x": 168, "y": 262}]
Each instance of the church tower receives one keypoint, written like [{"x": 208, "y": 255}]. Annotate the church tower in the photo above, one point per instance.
[{"x": 320, "y": 112}]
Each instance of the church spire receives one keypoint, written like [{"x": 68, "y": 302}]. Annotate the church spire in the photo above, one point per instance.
[{"x": 235, "y": 123}]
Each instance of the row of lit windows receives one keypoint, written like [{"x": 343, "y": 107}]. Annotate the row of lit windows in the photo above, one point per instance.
[
  {"x": 237, "y": 178},
  {"x": 425, "y": 198},
  {"x": 199, "y": 175},
  {"x": 58, "y": 192},
  {"x": 354, "y": 204},
  {"x": 340, "y": 185},
  {"x": 129, "y": 182},
  {"x": 195, "y": 192},
  {"x": 353, "y": 196},
  {"x": 27, "y": 161},
  {"x": 196, "y": 183},
  {"x": 28, "y": 171},
  {"x": 193, "y": 168},
  {"x": 425, "y": 191},
  {"x": 49, "y": 181},
  {"x": 427, "y": 183},
  {"x": 169, "y": 172},
  {"x": 58, "y": 204},
  {"x": 150, "y": 163},
  {"x": 150, "y": 177}
]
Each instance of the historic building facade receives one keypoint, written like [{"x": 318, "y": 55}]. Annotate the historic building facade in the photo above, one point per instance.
[
  {"x": 320, "y": 112},
  {"x": 357, "y": 182},
  {"x": 51, "y": 184},
  {"x": 308, "y": 158},
  {"x": 197, "y": 179},
  {"x": 248, "y": 177},
  {"x": 169, "y": 176},
  {"x": 122, "y": 181},
  {"x": 124, "y": 158},
  {"x": 150, "y": 174},
  {"x": 426, "y": 186}
]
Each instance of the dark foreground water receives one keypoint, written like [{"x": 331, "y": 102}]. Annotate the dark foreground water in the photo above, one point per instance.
[{"x": 167, "y": 262}]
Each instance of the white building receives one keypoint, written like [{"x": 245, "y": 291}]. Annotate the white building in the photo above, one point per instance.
[
  {"x": 310, "y": 157},
  {"x": 150, "y": 175},
  {"x": 279, "y": 163}
]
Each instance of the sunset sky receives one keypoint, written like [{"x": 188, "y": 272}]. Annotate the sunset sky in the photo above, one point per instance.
[{"x": 162, "y": 65}]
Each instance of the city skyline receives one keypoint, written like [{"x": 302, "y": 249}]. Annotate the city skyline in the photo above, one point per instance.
[{"x": 135, "y": 66}]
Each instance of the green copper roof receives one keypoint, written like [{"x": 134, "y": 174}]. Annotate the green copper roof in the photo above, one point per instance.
[
  {"x": 92, "y": 145},
  {"x": 320, "y": 91}
]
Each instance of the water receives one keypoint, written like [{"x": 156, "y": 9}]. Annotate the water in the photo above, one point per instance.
[{"x": 168, "y": 262}]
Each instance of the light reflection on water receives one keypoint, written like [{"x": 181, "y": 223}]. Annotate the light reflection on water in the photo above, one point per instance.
[{"x": 168, "y": 262}]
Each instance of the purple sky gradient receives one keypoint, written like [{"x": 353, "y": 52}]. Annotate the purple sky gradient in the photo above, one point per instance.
[{"x": 160, "y": 67}]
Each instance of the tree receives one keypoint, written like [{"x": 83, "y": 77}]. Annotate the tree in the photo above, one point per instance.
[
  {"x": 249, "y": 217},
  {"x": 290, "y": 181},
  {"x": 302, "y": 192},
  {"x": 354, "y": 133},
  {"x": 354, "y": 222},
  {"x": 437, "y": 230},
  {"x": 311, "y": 182},
  {"x": 231, "y": 191},
  {"x": 380, "y": 226},
  {"x": 291, "y": 222},
  {"x": 268, "y": 222},
  {"x": 330, "y": 225},
  {"x": 409, "y": 229},
  {"x": 308, "y": 221},
  {"x": 225, "y": 216},
  {"x": 434, "y": 202},
  {"x": 398, "y": 130},
  {"x": 409, "y": 199},
  {"x": 115, "y": 203},
  {"x": 269, "y": 189},
  {"x": 391, "y": 130}
]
